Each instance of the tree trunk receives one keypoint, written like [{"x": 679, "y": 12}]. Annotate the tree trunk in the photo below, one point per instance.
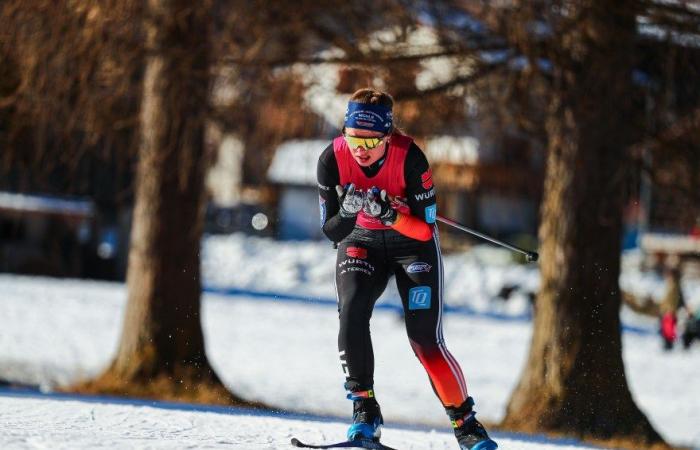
[
  {"x": 574, "y": 382},
  {"x": 161, "y": 353}
]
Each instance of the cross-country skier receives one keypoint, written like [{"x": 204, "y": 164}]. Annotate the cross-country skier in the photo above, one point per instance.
[{"x": 377, "y": 203}]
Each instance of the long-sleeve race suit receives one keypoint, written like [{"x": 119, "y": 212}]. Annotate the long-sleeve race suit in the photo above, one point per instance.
[{"x": 368, "y": 257}]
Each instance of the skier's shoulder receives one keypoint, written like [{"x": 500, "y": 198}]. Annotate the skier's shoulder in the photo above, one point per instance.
[
  {"x": 416, "y": 162},
  {"x": 327, "y": 169}
]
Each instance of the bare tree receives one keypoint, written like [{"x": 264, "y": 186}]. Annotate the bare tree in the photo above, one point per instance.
[
  {"x": 70, "y": 81},
  {"x": 95, "y": 53},
  {"x": 574, "y": 381},
  {"x": 161, "y": 352},
  {"x": 570, "y": 81}
]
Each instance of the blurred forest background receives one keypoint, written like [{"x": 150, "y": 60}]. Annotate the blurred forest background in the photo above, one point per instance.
[
  {"x": 128, "y": 129},
  {"x": 472, "y": 81}
]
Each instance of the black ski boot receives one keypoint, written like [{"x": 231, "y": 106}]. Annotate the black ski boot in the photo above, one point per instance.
[
  {"x": 366, "y": 415},
  {"x": 471, "y": 435}
]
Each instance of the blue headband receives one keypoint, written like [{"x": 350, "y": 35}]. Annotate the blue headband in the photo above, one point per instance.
[{"x": 368, "y": 117}]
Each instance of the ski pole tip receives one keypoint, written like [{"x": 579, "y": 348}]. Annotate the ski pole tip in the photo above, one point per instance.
[{"x": 532, "y": 256}]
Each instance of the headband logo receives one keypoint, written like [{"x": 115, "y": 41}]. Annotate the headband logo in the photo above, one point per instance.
[{"x": 368, "y": 117}]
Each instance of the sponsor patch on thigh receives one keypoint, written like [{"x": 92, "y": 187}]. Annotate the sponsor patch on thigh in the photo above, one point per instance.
[
  {"x": 419, "y": 297},
  {"x": 418, "y": 267}
]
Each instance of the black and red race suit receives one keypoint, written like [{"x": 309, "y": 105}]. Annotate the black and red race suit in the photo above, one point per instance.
[{"x": 369, "y": 253}]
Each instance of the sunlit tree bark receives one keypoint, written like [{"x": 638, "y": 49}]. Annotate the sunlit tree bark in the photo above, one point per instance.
[
  {"x": 574, "y": 381},
  {"x": 162, "y": 346}
]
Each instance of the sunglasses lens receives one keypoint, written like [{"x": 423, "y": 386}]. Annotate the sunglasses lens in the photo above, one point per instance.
[
  {"x": 368, "y": 143},
  {"x": 353, "y": 142},
  {"x": 371, "y": 143}
]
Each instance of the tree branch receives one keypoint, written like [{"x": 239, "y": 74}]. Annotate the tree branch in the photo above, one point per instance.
[
  {"x": 679, "y": 129},
  {"x": 365, "y": 59},
  {"x": 457, "y": 81}
]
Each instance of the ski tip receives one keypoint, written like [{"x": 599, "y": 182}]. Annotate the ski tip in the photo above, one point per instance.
[{"x": 295, "y": 442}]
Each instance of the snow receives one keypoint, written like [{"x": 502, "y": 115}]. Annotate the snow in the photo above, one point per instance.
[
  {"x": 45, "y": 203},
  {"x": 672, "y": 243},
  {"x": 57, "y": 331},
  {"x": 79, "y": 424},
  {"x": 471, "y": 279},
  {"x": 663, "y": 33}
]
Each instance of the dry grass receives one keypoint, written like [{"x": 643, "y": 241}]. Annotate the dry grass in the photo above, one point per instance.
[{"x": 164, "y": 387}]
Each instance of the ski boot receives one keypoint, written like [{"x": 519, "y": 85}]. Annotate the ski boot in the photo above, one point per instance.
[
  {"x": 366, "y": 416},
  {"x": 470, "y": 434}
]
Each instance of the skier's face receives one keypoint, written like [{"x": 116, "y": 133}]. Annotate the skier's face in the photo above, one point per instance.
[{"x": 360, "y": 151}]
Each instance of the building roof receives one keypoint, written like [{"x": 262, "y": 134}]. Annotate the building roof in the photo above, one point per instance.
[
  {"x": 295, "y": 162},
  {"x": 452, "y": 149},
  {"x": 670, "y": 243},
  {"x": 46, "y": 204}
]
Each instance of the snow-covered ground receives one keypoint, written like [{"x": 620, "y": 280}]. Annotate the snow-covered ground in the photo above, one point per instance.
[
  {"x": 54, "y": 332},
  {"x": 304, "y": 267},
  {"x": 472, "y": 279},
  {"x": 71, "y": 423}
]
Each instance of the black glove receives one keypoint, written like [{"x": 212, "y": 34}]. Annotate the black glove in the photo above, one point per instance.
[
  {"x": 377, "y": 205},
  {"x": 350, "y": 200}
]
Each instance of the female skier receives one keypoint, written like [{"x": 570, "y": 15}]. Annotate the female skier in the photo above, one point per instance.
[{"x": 377, "y": 203}]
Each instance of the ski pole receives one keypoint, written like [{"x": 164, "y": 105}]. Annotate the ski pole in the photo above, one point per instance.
[{"x": 529, "y": 256}]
